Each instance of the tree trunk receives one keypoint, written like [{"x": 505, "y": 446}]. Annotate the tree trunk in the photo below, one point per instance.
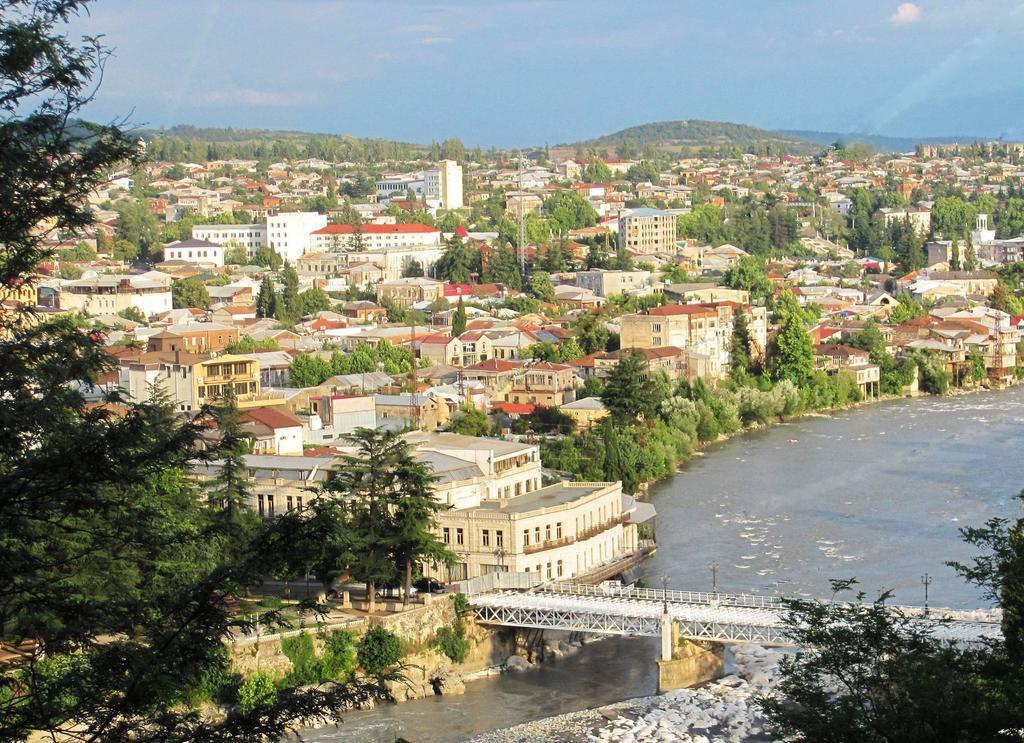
[
  {"x": 408, "y": 583},
  {"x": 371, "y": 596}
]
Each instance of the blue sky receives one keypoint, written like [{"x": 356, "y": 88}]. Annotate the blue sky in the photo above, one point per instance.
[{"x": 519, "y": 72}]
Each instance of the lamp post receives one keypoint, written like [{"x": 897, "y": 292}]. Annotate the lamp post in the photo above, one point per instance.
[
  {"x": 500, "y": 554},
  {"x": 714, "y": 577},
  {"x": 664, "y": 592},
  {"x": 926, "y": 580}
]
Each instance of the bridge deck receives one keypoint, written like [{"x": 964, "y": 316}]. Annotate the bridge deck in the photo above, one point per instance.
[{"x": 700, "y": 616}]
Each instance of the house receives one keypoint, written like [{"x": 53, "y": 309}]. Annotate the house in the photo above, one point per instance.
[
  {"x": 289, "y": 233},
  {"x": 343, "y": 237},
  {"x": 409, "y": 291},
  {"x": 690, "y": 327},
  {"x": 543, "y": 383},
  {"x": 585, "y": 412},
  {"x": 410, "y": 409},
  {"x": 606, "y": 282},
  {"x": 273, "y": 430},
  {"x": 207, "y": 337},
  {"x": 328, "y": 418},
  {"x": 111, "y": 294},
  {"x": 275, "y": 368},
  {"x": 191, "y": 380},
  {"x": 852, "y": 362}
]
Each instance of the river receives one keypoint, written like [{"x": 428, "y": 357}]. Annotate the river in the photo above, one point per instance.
[{"x": 877, "y": 493}]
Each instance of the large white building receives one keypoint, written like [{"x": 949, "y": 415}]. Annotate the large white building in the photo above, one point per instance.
[
  {"x": 444, "y": 185},
  {"x": 252, "y": 237},
  {"x": 440, "y": 186},
  {"x": 195, "y": 251},
  {"x": 289, "y": 234},
  {"x": 341, "y": 237},
  {"x": 109, "y": 294}
]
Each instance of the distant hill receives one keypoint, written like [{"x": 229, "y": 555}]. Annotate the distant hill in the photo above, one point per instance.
[
  {"x": 231, "y": 135},
  {"x": 880, "y": 142},
  {"x": 694, "y": 136}
]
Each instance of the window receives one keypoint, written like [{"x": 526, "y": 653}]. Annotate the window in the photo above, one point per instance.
[
  {"x": 547, "y": 532},
  {"x": 536, "y": 534},
  {"x": 459, "y": 539},
  {"x": 558, "y": 530},
  {"x": 526, "y": 537},
  {"x": 486, "y": 538},
  {"x": 270, "y": 505},
  {"x": 499, "y": 538},
  {"x": 298, "y": 501},
  {"x": 290, "y": 504},
  {"x": 549, "y": 571},
  {"x": 261, "y": 505},
  {"x": 559, "y": 568},
  {"x": 446, "y": 535}
]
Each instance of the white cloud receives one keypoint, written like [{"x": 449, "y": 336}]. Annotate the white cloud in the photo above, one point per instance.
[
  {"x": 906, "y": 14},
  {"x": 431, "y": 40}
]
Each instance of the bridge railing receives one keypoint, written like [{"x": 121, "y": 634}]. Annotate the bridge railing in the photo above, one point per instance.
[
  {"x": 750, "y": 601},
  {"x": 500, "y": 581}
]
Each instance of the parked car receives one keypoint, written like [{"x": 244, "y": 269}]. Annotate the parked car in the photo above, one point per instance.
[{"x": 429, "y": 585}]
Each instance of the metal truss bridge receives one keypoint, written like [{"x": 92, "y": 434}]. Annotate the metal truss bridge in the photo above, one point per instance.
[{"x": 717, "y": 617}]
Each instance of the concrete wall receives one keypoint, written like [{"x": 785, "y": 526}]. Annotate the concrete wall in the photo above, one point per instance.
[{"x": 692, "y": 663}]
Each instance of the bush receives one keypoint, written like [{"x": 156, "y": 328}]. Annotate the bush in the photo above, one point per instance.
[
  {"x": 461, "y": 604},
  {"x": 257, "y": 692},
  {"x": 305, "y": 665},
  {"x": 214, "y": 684},
  {"x": 452, "y": 641},
  {"x": 379, "y": 650},
  {"x": 339, "y": 659}
]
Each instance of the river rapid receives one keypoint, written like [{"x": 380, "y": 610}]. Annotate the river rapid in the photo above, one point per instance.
[{"x": 877, "y": 493}]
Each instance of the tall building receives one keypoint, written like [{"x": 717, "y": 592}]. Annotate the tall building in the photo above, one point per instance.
[
  {"x": 648, "y": 231},
  {"x": 289, "y": 234},
  {"x": 445, "y": 184}
]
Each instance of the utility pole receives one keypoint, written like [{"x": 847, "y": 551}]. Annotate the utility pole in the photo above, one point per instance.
[
  {"x": 714, "y": 577},
  {"x": 926, "y": 580}
]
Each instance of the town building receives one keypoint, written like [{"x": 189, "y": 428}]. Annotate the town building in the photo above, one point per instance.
[
  {"x": 289, "y": 233},
  {"x": 191, "y": 380},
  {"x": 207, "y": 337},
  {"x": 111, "y": 294},
  {"x": 252, "y": 237},
  {"x": 195, "y": 251},
  {"x": 406, "y": 292},
  {"x": 648, "y": 231},
  {"x": 341, "y": 237},
  {"x": 607, "y": 282},
  {"x": 920, "y": 218}
]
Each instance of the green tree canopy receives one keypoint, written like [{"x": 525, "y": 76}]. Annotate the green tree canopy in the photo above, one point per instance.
[{"x": 190, "y": 292}]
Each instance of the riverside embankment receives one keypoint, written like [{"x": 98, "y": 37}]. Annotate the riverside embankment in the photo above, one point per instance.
[{"x": 878, "y": 492}]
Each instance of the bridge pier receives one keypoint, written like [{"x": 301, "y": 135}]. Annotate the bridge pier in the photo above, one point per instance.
[{"x": 687, "y": 663}]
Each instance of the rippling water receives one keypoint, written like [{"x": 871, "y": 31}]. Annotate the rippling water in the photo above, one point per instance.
[{"x": 877, "y": 493}]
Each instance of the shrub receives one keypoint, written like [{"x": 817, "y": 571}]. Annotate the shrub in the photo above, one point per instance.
[
  {"x": 305, "y": 665},
  {"x": 257, "y": 692},
  {"x": 339, "y": 658},
  {"x": 379, "y": 650},
  {"x": 461, "y": 604},
  {"x": 452, "y": 641},
  {"x": 215, "y": 682}
]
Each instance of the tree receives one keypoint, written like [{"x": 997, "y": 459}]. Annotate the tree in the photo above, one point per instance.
[
  {"x": 791, "y": 353},
  {"x": 503, "y": 268},
  {"x": 628, "y": 393},
  {"x": 741, "y": 359},
  {"x": 541, "y": 286},
  {"x": 748, "y": 274},
  {"x": 289, "y": 309},
  {"x": 567, "y": 210},
  {"x": 137, "y": 226},
  {"x": 110, "y": 561},
  {"x": 230, "y": 497},
  {"x": 597, "y": 172},
  {"x": 954, "y": 261},
  {"x": 190, "y": 292},
  {"x": 970, "y": 257},
  {"x": 265, "y": 298},
  {"x": 236, "y": 255},
  {"x": 591, "y": 332},
  {"x": 413, "y": 269},
  {"x": 872, "y": 674},
  {"x": 266, "y": 257},
  {"x": 459, "y": 319},
  {"x": 313, "y": 300},
  {"x": 458, "y": 263},
  {"x": 470, "y": 422},
  {"x": 704, "y": 223}
]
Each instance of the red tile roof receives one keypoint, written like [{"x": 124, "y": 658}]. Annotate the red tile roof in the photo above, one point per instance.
[
  {"x": 667, "y": 310},
  {"x": 377, "y": 229},
  {"x": 272, "y": 417},
  {"x": 513, "y": 408}
]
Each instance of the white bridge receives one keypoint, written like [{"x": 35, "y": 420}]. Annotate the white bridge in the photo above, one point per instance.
[{"x": 615, "y": 610}]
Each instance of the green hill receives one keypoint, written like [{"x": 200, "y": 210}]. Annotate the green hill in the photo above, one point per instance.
[{"x": 695, "y": 136}]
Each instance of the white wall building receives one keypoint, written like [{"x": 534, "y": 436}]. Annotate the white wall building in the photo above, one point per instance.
[
  {"x": 252, "y": 237},
  {"x": 289, "y": 234},
  {"x": 443, "y": 185},
  {"x": 340, "y": 237},
  {"x": 195, "y": 251}
]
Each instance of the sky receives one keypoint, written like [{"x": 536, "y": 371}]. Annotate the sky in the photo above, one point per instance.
[{"x": 529, "y": 72}]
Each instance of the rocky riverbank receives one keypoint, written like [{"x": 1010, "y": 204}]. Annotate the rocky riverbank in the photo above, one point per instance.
[{"x": 723, "y": 711}]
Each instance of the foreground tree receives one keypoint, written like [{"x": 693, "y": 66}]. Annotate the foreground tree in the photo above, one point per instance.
[{"x": 112, "y": 571}]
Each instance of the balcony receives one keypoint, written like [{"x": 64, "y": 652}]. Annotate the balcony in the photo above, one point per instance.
[
  {"x": 593, "y": 531},
  {"x": 548, "y": 544}
]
